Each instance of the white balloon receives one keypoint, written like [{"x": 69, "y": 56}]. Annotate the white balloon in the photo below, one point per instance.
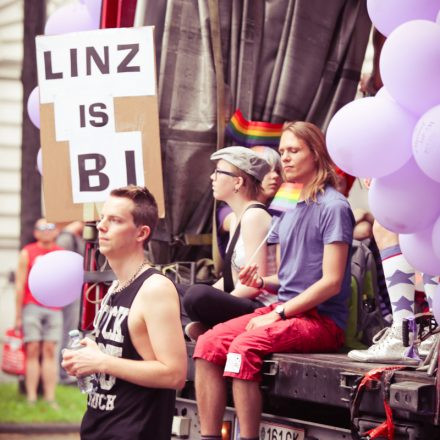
[{"x": 40, "y": 161}]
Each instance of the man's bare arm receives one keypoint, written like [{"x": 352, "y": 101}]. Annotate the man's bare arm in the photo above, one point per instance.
[
  {"x": 333, "y": 268},
  {"x": 160, "y": 310}
]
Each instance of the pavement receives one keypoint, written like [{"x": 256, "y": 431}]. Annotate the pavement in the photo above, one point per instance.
[
  {"x": 40, "y": 431},
  {"x": 34, "y": 436}
]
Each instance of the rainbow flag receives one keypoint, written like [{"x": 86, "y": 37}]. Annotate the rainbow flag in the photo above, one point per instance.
[
  {"x": 286, "y": 197},
  {"x": 251, "y": 133}
]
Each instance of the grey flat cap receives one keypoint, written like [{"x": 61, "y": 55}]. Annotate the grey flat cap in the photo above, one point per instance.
[{"x": 244, "y": 159}]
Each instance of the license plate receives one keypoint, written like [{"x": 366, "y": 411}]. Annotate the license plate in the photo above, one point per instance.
[{"x": 274, "y": 431}]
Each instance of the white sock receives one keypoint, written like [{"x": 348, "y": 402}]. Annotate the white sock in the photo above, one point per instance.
[{"x": 400, "y": 279}]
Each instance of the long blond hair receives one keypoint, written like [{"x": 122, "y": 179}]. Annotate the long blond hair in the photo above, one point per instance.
[{"x": 325, "y": 168}]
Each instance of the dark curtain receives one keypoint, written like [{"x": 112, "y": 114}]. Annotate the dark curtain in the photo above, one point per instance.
[{"x": 282, "y": 60}]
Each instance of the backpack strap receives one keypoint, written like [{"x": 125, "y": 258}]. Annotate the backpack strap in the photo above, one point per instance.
[{"x": 228, "y": 282}]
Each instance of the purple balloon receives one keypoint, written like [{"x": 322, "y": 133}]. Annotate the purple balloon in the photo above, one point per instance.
[
  {"x": 94, "y": 8},
  {"x": 436, "y": 238},
  {"x": 384, "y": 94},
  {"x": 370, "y": 137},
  {"x": 70, "y": 18},
  {"x": 410, "y": 65},
  {"x": 386, "y": 15},
  {"x": 56, "y": 278},
  {"x": 40, "y": 161},
  {"x": 436, "y": 304},
  {"x": 426, "y": 143},
  {"x": 417, "y": 249},
  {"x": 406, "y": 201},
  {"x": 33, "y": 106}
]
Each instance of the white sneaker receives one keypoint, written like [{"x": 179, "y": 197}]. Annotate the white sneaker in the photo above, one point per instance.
[
  {"x": 194, "y": 329},
  {"x": 387, "y": 348},
  {"x": 426, "y": 345}
]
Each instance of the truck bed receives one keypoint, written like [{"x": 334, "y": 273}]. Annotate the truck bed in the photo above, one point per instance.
[{"x": 328, "y": 380}]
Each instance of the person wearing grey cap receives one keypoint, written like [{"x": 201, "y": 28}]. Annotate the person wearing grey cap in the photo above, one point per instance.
[
  {"x": 270, "y": 185},
  {"x": 236, "y": 180}
]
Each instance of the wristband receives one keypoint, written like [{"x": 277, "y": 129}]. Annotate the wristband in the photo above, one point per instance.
[{"x": 261, "y": 286}]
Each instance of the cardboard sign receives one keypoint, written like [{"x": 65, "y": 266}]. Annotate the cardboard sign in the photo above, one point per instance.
[{"x": 99, "y": 122}]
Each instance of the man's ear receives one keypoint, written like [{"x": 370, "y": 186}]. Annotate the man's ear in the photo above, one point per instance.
[{"x": 144, "y": 232}]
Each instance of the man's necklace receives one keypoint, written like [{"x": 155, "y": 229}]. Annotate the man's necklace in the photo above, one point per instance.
[
  {"x": 121, "y": 286},
  {"x": 115, "y": 288}
]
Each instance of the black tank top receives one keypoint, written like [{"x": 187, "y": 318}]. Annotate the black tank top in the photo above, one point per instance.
[{"x": 120, "y": 409}]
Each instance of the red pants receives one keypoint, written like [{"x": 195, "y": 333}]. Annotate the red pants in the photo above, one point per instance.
[{"x": 241, "y": 352}]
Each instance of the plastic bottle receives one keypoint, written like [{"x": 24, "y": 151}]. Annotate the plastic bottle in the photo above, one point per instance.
[{"x": 85, "y": 383}]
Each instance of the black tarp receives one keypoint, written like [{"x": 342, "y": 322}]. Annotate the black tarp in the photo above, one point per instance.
[{"x": 282, "y": 60}]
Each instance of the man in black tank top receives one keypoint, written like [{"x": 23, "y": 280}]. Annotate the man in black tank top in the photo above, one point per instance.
[{"x": 139, "y": 353}]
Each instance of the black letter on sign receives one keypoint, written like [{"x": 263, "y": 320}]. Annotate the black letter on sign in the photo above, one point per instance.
[
  {"x": 103, "y": 66},
  {"x": 84, "y": 175},
  {"x": 131, "y": 170},
  {"x": 73, "y": 62},
  {"x": 95, "y": 114},
  {"x": 82, "y": 116},
  {"x": 123, "y": 66},
  {"x": 48, "y": 67}
]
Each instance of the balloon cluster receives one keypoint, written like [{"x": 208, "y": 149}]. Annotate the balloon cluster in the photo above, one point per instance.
[
  {"x": 394, "y": 137},
  {"x": 75, "y": 17}
]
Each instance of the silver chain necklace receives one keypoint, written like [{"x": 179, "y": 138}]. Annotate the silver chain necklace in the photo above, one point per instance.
[{"x": 121, "y": 286}]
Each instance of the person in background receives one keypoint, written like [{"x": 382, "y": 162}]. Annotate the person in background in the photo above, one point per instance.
[
  {"x": 364, "y": 224},
  {"x": 313, "y": 242},
  {"x": 370, "y": 83},
  {"x": 41, "y": 325},
  {"x": 70, "y": 238},
  {"x": 237, "y": 181},
  {"x": 400, "y": 281},
  {"x": 344, "y": 181},
  {"x": 270, "y": 185},
  {"x": 363, "y": 228},
  {"x": 139, "y": 355}
]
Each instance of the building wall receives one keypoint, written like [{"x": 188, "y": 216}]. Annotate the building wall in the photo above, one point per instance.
[
  {"x": 11, "y": 98},
  {"x": 11, "y": 54}
]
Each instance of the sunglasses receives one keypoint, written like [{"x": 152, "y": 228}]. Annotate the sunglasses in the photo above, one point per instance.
[
  {"x": 226, "y": 173},
  {"x": 46, "y": 227}
]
